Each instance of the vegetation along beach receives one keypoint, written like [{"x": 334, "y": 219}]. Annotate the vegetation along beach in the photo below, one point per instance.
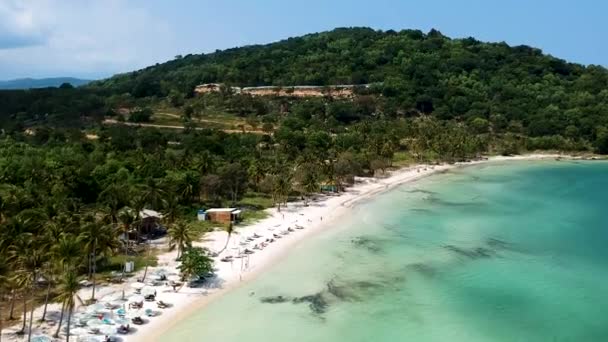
[{"x": 352, "y": 184}]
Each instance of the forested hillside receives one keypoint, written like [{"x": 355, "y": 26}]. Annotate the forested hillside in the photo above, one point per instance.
[
  {"x": 428, "y": 73},
  {"x": 518, "y": 89}
]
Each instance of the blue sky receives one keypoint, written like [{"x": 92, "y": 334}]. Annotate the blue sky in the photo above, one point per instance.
[{"x": 98, "y": 38}]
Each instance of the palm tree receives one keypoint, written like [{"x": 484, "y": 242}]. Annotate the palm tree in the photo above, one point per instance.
[
  {"x": 68, "y": 288},
  {"x": 181, "y": 236},
  {"x": 229, "y": 229},
  {"x": 114, "y": 198},
  {"x": 32, "y": 260},
  {"x": 171, "y": 209},
  {"x": 308, "y": 180},
  {"x": 26, "y": 259},
  {"x": 4, "y": 275},
  {"x": 49, "y": 270},
  {"x": 98, "y": 240},
  {"x": 153, "y": 194},
  {"x": 68, "y": 251},
  {"x": 204, "y": 162},
  {"x": 128, "y": 217}
]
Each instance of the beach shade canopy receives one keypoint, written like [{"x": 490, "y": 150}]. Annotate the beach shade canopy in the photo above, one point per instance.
[
  {"x": 160, "y": 271},
  {"x": 96, "y": 308},
  {"x": 148, "y": 290},
  {"x": 137, "y": 313},
  {"x": 94, "y": 323},
  {"x": 79, "y": 331},
  {"x": 122, "y": 321},
  {"x": 80, "y": 317},
  {"x": 89, "y": 338},
  {"x": 138, "y": 286},
  {"x": 42, "y": 338},
  {"x": 117, "y": 303},
  {"x": 136, "y": 299},
  {"x": 107, "y": 330}
]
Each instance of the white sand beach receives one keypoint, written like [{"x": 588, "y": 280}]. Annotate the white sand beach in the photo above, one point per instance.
[{"x": 302, "y": 221}]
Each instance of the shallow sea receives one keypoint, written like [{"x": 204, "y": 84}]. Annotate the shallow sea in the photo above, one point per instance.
[{"x": 515, "y": 251}]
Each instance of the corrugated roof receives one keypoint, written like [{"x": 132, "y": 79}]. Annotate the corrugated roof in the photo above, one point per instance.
[{"x": 220, "y": 210}]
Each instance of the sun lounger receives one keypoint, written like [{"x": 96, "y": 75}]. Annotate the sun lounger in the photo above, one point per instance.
[{"x": 137, "y": 320}]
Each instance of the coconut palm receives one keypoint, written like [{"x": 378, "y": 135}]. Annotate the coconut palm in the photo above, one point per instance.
[
  {"x": 68, "y": 251},
  {"x": 99, "y": 239},
  {"x": 153, "y": 194},
  {"x": 308, "y": 180},
  {"x": 4, "y": 275},
  {"x": 68, "y": 288},
  {"x": 114, "y": 198},
  {"x": 31, "y": 262},
  {"x": 128, "y": 218},
  {"x": 229, "y": 229},
  {"x": 48, "y": 271},
  {"x": 171, "y": 209},
  {"x": 24, "y": 256},
  {"x": 181, "y": 236}
]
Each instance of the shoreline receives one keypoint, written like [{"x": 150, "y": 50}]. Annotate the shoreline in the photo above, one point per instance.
[
  {"x": 364, "y": 188},
  {"x": 318, "y": 216}
]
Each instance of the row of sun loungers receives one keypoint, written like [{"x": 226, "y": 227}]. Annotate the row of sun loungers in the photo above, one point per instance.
[{"x": 258, "y": 246}]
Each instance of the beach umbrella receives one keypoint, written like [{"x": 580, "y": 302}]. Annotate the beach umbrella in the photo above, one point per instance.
[
  {"x": 94, "y": 323},
  {"x": 148, "y": 290},
  {"x": 117, "y": 297},
  {"x": 117, "y": 303},
  {"x": 42, "y": 338},
  {"x": 136, "y": 299},
  {"x": 138, "y": 286},
  {"x": 160, "y": 271},
  {"x": 79, "y": 331},
  {"x": 122, "y": 321},
  {"x": 107, "y": 330},
  {"x": 80, "y": 317},
  {"x": 137, "y": 313},
  {"x": 95, "y": 308}
]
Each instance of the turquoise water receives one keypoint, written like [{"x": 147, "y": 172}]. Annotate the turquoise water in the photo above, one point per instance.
[{"x": 511, "y": 252}]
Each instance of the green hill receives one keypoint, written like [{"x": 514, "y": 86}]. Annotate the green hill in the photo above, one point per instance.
[
  {"x": 515, "y": 89},
  {"x": 429, "y": 73}
]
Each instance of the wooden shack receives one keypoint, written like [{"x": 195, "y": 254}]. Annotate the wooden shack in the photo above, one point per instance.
[{"x": 223, "y": 215}]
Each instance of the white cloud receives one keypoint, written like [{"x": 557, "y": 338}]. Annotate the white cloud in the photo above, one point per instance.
[
  {"x": 19, "y": 25},
  {"x": 83, "y": 37}
]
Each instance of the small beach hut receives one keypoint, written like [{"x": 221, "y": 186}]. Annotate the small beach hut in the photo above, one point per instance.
[
  {"x": 150, "y": 222},
  {"x": 223, "y": 215}
]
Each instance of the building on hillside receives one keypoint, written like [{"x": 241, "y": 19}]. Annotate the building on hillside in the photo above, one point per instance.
[{"x": 221, "y": 215}]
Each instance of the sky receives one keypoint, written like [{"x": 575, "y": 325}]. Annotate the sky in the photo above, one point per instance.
[{"x": 99, "y": 38}]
